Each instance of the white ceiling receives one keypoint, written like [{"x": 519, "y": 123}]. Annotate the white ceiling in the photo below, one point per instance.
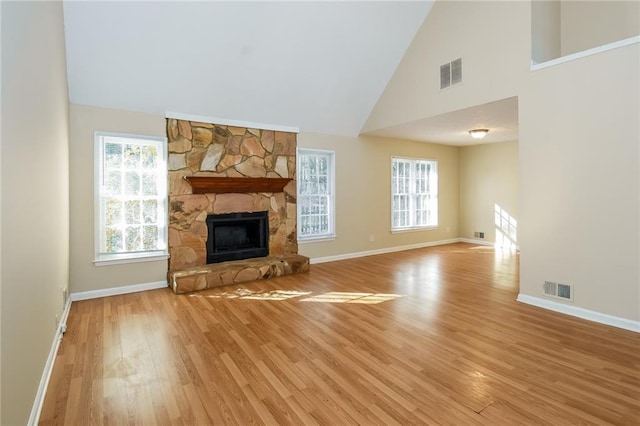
[
  {"x": 500, "y": 117},
  {"x": 317, "y": 66}
]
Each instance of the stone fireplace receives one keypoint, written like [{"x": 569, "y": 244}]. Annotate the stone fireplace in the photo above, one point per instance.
[{"x": 217, "y": 170}]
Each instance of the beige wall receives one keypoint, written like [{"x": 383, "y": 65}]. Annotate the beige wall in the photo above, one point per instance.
[
  {"x": 578, "y": 148},
  {"x": 489, "y": 178},
  {"x": 545, "y": 30},
  {"x": 84, "y": 275},
  {"x": 363, "y": 193},
  {"x": 579, "y": 169},
  {"x": 588, "y": 24},
  {"x": 35, "y": 197},
  {"x": 493, "y": 40},
  {"x": 563, "y": 27}
]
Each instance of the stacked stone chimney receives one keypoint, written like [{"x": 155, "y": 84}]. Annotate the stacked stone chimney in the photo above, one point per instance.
[{"x": 206, "y": 149}]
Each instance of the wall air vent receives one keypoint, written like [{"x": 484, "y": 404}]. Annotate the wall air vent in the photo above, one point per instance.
[
  {"x": 558, "y": 290},
  {"x": 451, "y": 73},
  {"x": 456, "y": 71},
  {"x": 445, "y": 76},
  {"x": 565, "y": 291}
]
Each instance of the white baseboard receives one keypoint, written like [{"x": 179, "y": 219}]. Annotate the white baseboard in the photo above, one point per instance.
[
  {"x": 36, "y": 409},
  {"x": 114, "y": 291},
  {"x": 382, "y": 251},
  {"x": 581, "y": 313}
]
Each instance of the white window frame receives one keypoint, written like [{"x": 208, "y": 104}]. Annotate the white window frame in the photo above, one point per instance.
[
  {"x": 101, "y": 258},
  {"x": 330, "y": 234},
  {"x": 432, "y": 191}
]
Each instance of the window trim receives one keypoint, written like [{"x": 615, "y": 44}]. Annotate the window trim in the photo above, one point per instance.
[
  {"x": 331, "y": 235},
  {"x": 414, "y": 228},
  {"x": 104, "y": 259}
]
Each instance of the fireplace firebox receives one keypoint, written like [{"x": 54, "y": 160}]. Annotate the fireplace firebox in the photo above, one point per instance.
[{"x": 236, "y": 236}]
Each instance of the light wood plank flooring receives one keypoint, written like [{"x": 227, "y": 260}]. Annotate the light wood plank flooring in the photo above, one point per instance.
[{"x": 430, "y": 336}]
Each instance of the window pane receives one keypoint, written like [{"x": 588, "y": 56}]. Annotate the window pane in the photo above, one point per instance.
[
  {"x": 322, "y": 185},
  {"x": 150, "y": 238},
  {"x": 149, "y": 184},
  {"x": 314, "y": 193},
  {"x": 312, "y": 187},
  {"x": 305, "y": 206},
  {"x": 131, "y": 156},
  {"x": 112, "y": 155},
  {"x": 150, "y": 211},
  {"x": 422, "y": 210},
  {"x": 149, "y": 157},
  {"x": 132, "y": 198},
  {"x": 132, "y": 211},
  {"x": 133, "y": 240},
  {"x": 113, "y": 182},
  {"x": 414, "y": 189},
  {"x": 131, "y": 183},
  {"x": 113, "y": 211},
  {"x": 113, "y": 240},
  {"x": 322, "y": 168}
]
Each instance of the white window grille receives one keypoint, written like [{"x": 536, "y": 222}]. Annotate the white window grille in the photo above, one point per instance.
[
  {"x": 316, "y": 215},
  {"x": 131, "y": 197},
  {"x": 414, "y": 186}
]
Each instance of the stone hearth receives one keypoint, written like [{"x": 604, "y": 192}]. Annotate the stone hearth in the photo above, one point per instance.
[
  {"x": 211, "y": 150},
  {"x": 236, "y": 272}
]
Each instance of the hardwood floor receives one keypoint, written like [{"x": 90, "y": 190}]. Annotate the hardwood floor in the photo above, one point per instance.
[{"x": 429, "y": 336}]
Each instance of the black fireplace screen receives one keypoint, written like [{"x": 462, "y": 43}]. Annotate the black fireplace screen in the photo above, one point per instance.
[{"x": 236, "y": 236}]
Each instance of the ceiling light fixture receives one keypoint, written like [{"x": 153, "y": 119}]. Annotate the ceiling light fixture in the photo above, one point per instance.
[{"x": 478, "y": 133}]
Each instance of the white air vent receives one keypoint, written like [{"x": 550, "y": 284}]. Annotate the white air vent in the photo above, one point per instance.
[
  {"x": 550, "y": 289},
  {"x": 451, "y": 73},
  {"x": 558, "y": 290},
  {"x": 445, "y": 76},
  {"x": 456, "y": 71},
  {"x": 565, "y": 291}
]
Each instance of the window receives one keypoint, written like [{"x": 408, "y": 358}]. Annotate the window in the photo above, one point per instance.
[
  {"x": 414, "y": 186},
  {"x": 131, "y": 198},
  {"x": 315, "y": 194}
]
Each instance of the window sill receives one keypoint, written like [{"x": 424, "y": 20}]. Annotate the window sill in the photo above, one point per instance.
[
  {"x": 118, "y": 259},
  {"x": 414, "y": 229},
  {"x": 317, "y": 239}
]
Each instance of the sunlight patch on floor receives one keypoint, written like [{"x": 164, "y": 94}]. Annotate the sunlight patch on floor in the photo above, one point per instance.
[
  {"x": 331, "y": 297},
  {"x": 243, "y": 293},
  {"x": 344, "y": 297}
]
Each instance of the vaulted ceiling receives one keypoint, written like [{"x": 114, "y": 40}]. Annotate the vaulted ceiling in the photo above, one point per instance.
[{"x": 317, "y": 66}]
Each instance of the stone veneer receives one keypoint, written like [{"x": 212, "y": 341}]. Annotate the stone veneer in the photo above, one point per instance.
[{"x": 205, "y": 149}]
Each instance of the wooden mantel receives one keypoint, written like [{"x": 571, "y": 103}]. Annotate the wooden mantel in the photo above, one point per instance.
[{"x": 224, "y": 185}]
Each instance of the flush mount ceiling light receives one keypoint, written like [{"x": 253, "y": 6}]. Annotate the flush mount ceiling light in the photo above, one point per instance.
[{"x": 478, "y": 133}]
